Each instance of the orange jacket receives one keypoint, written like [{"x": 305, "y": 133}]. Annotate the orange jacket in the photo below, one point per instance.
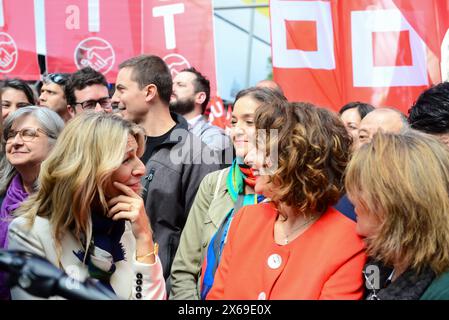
[{"x": 325, "y": 262}]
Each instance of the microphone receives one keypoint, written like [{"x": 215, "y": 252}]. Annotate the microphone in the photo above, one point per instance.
[{"x": 39, "y": 277}]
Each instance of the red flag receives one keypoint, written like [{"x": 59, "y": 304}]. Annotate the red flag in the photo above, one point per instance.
[
  {"x": 219, "y": 114},
  {"x": 94, "y": 33},
  {"x": 18, "y": 57},
  {"x": 181, "y": 33},
  {"x": 383, "y": 52}
]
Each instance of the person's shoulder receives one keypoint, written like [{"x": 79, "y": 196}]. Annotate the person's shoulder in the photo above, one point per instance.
[
  {"x": 207, "y": 127},
  {"x": 438, "y": 289},
  {"x": 212, "y": 177},
  {"x": 254, "y": 212},
  {"x": 251, "y": 219},
  {"x": 24, "y": 224},
  {"x": 20, "y": 223},
  {"x": 181, "y": 137},
  {"x": 195, "y": 151},
  {"x": 334, "y": 216},
  {"x": 338, "y": 227},
  {"x": 345, "y": 207}
]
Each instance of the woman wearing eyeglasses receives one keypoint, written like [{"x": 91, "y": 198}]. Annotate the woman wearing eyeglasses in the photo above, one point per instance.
[
  {"x": 15, "y": 94},
  {"x": 28, "y": 136}
]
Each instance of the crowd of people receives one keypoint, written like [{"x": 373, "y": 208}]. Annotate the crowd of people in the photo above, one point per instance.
[{"x": 132, "y": 187}]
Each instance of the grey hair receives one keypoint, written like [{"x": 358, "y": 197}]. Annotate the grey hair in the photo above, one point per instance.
[{"x": 49, "y": 121}]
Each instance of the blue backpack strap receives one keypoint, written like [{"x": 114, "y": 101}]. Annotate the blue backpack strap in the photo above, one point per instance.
[
  {"x": 215, "y": 249},
  {"x": 212, "y": 258}
]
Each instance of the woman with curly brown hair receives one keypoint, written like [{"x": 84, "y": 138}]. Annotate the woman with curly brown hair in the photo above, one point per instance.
[{"x": 296, "y": 246}]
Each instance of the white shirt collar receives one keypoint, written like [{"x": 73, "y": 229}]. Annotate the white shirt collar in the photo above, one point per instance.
[{"x": 193, "y": 121}]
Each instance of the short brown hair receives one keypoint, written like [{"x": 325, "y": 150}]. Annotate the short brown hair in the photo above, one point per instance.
[
  {"x": 403, "y": 179},
  {"x": 150, "y": 69},
  {"x": 313, "y": 151}
]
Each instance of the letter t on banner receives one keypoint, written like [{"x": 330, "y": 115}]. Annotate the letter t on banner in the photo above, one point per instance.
[
  {"x": 182, "y": 34},
  {"x": 18, "y": 57},
  {"x": 168, "y": 13}
]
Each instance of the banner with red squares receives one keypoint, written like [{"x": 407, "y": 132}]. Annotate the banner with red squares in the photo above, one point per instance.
[{"x": 384, "y": 52}]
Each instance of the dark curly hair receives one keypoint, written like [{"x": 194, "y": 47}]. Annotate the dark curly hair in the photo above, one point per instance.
[
  {"x": 430, "y": 113},
  {"x": 313, "y": 150}
]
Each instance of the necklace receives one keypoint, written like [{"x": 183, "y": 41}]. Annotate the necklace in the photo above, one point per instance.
[{"x": 287, "y": 235}]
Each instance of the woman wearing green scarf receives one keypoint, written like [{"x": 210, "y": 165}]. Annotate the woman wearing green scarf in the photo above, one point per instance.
[{"x": 219, "y": 196}]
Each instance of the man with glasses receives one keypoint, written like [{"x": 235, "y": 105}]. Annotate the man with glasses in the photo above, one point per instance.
[
  {"x": 52, "y": 94},
  {"x": 87, "y": 90}
]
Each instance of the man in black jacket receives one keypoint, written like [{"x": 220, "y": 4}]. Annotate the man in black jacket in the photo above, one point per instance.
[{"x": 176, "y": 161}]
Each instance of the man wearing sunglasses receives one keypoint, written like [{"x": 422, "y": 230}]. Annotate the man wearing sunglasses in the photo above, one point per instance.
[
  {"x": 53, "y": 96},
  {"x": 87, "y": 90}
]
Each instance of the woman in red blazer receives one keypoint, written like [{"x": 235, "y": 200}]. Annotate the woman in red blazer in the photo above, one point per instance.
[{"x": 295, "y": 246}]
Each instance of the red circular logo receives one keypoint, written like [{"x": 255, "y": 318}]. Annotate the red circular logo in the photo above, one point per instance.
[
  {"x": 96, "y": 53},
  {"x": 8, "y": 53},
  {"x": 176, "y": 63}
]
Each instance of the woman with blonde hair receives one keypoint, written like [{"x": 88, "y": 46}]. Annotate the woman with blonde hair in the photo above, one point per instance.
[
  {"x": 295, "y": 246},
  {"x": 87, "y": 217},
  {"x": 399, "y": 184}
]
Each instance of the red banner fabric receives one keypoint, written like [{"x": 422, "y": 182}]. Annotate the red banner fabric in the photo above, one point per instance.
[
  {"x": 99, "y": 34},
  {"x": 18, "y": 56},
  {"x": 182, "y": 33},
  {"x": 102, "y": 34},
  {"x": 385, "y": 52},
  {"x": 219, "y": 114}
]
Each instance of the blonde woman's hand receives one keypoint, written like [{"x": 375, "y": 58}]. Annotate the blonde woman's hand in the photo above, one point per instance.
[{"x": 130, "y": 206}]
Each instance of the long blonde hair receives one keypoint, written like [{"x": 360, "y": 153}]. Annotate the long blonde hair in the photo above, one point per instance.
[
  {"x": 403, "y": 179},
  {"x": 74, "y": 176}
]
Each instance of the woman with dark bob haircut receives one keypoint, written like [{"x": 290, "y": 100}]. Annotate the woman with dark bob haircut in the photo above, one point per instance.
[{"x": 295, "y": 246}]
